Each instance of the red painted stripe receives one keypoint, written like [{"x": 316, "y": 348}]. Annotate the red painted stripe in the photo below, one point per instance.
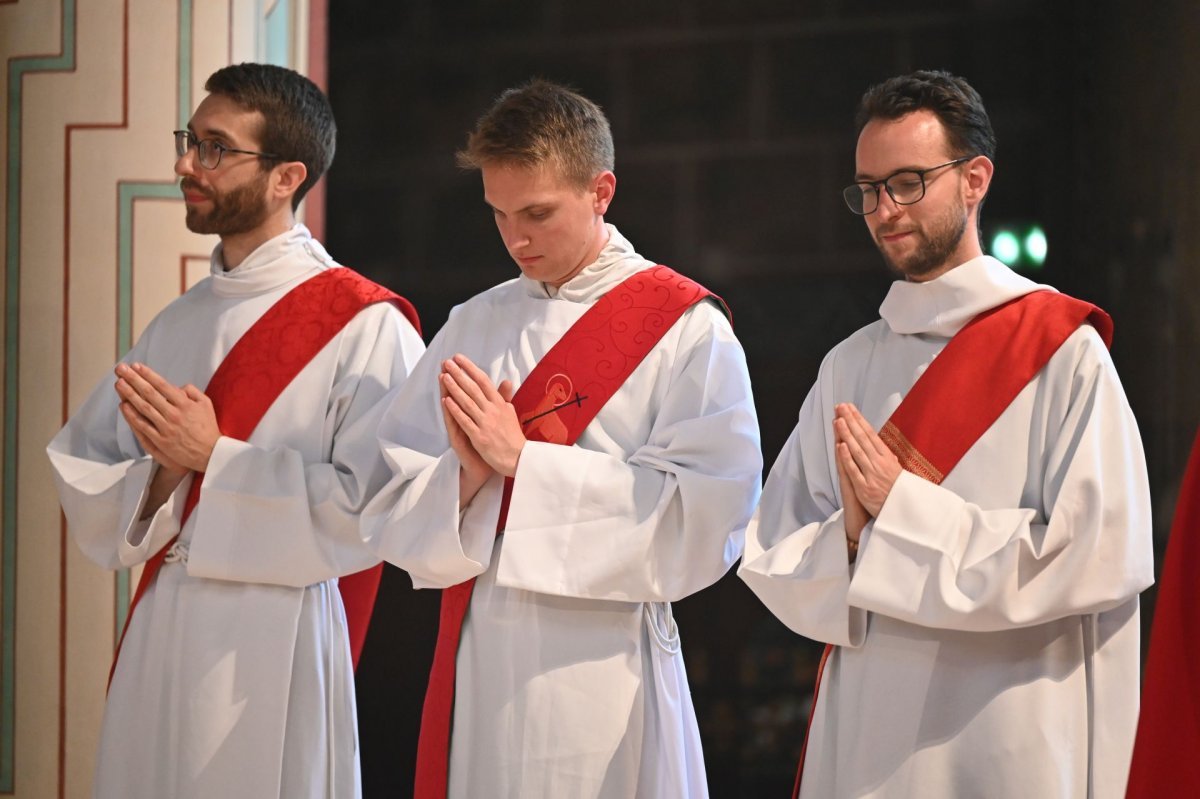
[
  {"x": 66, "y": 328},
  {"x": 318, "y": 72},
  {"x": 17, "y": 415}
]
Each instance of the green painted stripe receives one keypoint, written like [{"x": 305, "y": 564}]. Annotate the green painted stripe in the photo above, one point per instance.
[
  {"x": 278, "y": 40},
  {"x": 185, "y": 64},
  {"x": 127, "y": 193},
  {"x": 17, "y": 69}
]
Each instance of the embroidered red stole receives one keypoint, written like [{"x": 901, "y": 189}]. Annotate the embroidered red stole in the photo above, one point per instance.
[
  {"x": 968, "y": 385},
  {"x": 255, "y": 371},
  {"x": 558, "y": 399}
]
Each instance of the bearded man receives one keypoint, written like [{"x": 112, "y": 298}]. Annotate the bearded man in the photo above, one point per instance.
[
  {"x": 975, "y": 565},
  {"x": 235, "y": 674}
]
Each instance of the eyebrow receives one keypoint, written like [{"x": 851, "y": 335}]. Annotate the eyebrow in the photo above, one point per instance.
[
  {"x": 211, "y": 133},
  {"x": 546, "y": 204},
  {"x": 863, "y": 178}
]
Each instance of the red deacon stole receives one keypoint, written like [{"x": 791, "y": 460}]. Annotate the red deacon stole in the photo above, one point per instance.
[
  {"x": 256, "y": 370},
  {"x": 558, "y": 399},
  {"x": 969, "y": 384},
  {"x": 1168, "y": 731}
]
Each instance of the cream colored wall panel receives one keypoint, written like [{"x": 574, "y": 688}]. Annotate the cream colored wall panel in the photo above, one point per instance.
[
  {"x": 88, "y": 642},
  {"x": 243, "y": 38},
  {"x": 195, "y": 269},
  {"x": 159, "y": 238},
  {"x": 39, "y": 555},
  {"x": 300, "y": 36},
  {"x": 103, "y": 248},
  {"x": 30, "y": 28},
  {"x": 92, "y": 288},
  {"x": 210, "y": 43},
  {"x": 38, "y": 545}
]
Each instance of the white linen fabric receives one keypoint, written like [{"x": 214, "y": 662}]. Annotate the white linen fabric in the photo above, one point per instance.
[
  {"x": 988, "y": 632},
  {"x": 235, "y": 677},
  {"x": 570, "y": 679}
]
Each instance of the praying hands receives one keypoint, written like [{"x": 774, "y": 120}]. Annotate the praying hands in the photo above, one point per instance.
[
  {"x": 481, "y": 423},
  {"x": 175, "y": 426},
  {"x": 867, "y": 469}
]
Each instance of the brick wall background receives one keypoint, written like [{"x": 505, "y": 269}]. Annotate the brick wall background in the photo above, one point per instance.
[{"x": 733, "y": 129}]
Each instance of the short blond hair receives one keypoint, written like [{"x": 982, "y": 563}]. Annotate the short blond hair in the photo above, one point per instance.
[{"x": 542, "y": 123}]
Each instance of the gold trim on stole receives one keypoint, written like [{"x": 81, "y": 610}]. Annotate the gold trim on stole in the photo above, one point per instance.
[{"x": 911, "y": 459}]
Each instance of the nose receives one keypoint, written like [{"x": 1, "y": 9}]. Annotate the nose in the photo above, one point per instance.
[
  {"x": 888, "y": 208},
  {"x": 513, "y": 234},
  {"x": 186, "y": 164}
]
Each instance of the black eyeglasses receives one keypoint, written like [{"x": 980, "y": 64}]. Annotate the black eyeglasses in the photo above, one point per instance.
[
  {"x": 905, "y": 188},
  {"x": 208, "y": 151}
]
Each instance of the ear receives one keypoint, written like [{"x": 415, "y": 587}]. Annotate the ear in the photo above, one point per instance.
[
  {"x": 604, "y": 186},
  {"x": 286, "y": 179},
  {"x": 978, "y": 175}
]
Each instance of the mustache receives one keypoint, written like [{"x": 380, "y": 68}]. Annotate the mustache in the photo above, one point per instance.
[
  {"x": 882, "y": 231},
  {"x": 190, "y": 186}
]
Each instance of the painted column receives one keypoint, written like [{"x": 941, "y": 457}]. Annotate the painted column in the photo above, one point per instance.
[{"x": 94, "y": 244}]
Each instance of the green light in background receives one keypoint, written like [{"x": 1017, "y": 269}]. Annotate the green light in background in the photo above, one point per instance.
[
  {"x": 1019, "y": 245},
  {"x": 1035, "y": 246},
  {"x": 1006, "y": 247}
]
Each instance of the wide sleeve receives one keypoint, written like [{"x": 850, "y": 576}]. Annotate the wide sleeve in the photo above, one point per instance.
[
  {"x": 272, "y": 514},
  {"x": 1084, "y": 546},
  {"x": 663, "y": 521},
  {"x": 103, "y": 478},
  {"x": 414, "y": 522},
  {"x": 796, "y": 560}
]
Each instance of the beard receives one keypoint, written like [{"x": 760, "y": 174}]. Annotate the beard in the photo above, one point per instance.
[
  {"x": 938, "y": 243},
  {"x": 239, "y": 210}
]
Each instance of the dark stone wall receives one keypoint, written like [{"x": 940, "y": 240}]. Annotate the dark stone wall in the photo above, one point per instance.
[{"x": 733, "y": 128}]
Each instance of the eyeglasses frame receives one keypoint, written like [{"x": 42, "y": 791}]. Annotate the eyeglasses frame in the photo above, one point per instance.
[
  {"x": 195, "y": 141},
  {"x": 875, "y": 184}
]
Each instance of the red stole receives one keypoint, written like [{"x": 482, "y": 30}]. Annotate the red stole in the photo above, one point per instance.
[
  {"x": 968, "y": 385},
  {"x": 255, "y": 371},
  {"x": 1168, "y": 732},
  {"x": 558, "y": 399}
]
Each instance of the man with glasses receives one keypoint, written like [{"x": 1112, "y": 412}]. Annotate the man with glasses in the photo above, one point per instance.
[
  {"x": 974, "y": 566},
  {"x": 231, "y": 460}
]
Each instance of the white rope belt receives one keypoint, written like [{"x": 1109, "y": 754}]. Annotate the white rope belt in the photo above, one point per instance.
[
  {"x": 178, "y": 553},
  {"x": 663, "y": 629}
]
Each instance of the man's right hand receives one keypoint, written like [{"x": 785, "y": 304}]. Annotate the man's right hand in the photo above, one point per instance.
[
  {"x": 167, "y": 476},
  {"x": 474, "y": 471},
  {"x": 854, "y": 515}
]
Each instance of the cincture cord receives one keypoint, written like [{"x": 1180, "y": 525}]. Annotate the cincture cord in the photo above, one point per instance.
[{"x": 667, "y": 639}]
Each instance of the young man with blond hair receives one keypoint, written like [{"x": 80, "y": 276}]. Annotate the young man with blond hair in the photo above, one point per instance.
[{"x": 578, "y": 449}]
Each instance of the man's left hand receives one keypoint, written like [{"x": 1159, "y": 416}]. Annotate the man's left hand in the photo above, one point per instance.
[
  {"x": 869, "y": 465},
  {"x": 179, "y": 423},
  {"x": 484, "y": 413}
]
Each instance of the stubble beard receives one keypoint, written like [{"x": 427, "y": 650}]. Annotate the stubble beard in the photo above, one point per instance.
[
  {"x": 940, "y": 241},
  {"x": 238, "y": 211}
]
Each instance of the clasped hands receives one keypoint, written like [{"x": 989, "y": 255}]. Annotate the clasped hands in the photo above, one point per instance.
[
  {"x": 867, "y": 469},
  {"x": 481, "y": 423},
  {"x": 176, "y": 426}
]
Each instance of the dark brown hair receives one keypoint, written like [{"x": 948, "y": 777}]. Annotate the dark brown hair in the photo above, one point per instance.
[
  {"x": 955, "y": 103},
  {"x": 297, "y": 119}
]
